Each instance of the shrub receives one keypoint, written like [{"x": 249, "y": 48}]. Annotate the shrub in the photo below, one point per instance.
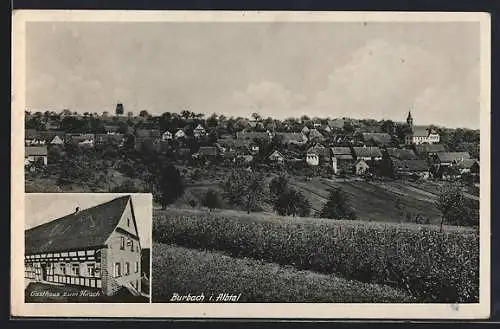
[
  {"x": 434, "y": 266},
  {"x": 255, "y": 280},
  {"x": 212, "y": 200}
]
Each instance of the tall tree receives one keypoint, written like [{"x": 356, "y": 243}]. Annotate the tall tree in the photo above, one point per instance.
[
  {"x": 212, "y": 200},
  {"x": 256, "y": 116},
  {"x": 337, "y": 206},
  {"x": 456, "y": 209},
  {"x": 245, "y": 189},
  {"x": 170, "y": 185}
]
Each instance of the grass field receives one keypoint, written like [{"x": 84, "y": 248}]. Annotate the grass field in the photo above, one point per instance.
[
  {"x": 375, "y": 200},
  {"x": 432, "y": 266},
  {"x": 187, "y": 271}
]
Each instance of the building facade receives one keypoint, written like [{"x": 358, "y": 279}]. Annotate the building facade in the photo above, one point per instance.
[{"x": 98, "y": 247}]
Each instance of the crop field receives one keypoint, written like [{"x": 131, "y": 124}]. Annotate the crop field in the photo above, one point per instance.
[
  {"x": 425, "y": 264},
  {"x": 188, "y": 271}
]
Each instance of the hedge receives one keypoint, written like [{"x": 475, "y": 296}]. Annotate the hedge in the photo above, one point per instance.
[
  {"x": 182, "y": 271},
  {"x": 428, "y": 264}
]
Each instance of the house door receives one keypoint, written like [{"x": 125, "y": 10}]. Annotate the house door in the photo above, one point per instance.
[{"x": 44, "y": 272}]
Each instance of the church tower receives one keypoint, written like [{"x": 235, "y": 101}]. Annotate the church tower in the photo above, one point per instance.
[{"x": 409, "y": 119}]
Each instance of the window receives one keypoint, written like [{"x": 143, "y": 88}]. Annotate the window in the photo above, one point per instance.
[
  {"x": 63, "y": 268},
  {"x": 131, "y": 245},
  {"x": 128, "y": 222},
  {"x": 136, "y": 267},
  {"x": 122, "y": 243},
  {"x": 118, "y": 270},
  {"x": 75, "y": 269},
  {"x": 91, "y": 269},
  {"x": 127, "y": 268}
]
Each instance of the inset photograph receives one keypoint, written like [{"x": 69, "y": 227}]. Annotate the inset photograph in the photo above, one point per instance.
[{"x": 87, "y": 248}]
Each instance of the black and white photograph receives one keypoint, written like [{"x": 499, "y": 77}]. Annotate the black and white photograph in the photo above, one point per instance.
[
  {"x": 330, "y": 159},
  {"x": 87, "y": 248}
]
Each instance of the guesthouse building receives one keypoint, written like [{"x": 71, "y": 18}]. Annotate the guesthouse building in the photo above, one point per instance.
[{"x": 98, "y": 247}]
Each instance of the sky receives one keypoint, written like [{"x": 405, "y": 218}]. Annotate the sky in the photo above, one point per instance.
[
  {"x": 45, "y": 207},
  {"x": 377, "y": 70}
]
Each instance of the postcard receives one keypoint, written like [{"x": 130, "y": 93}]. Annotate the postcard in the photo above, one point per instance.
[{"x": 283, "y": 165}]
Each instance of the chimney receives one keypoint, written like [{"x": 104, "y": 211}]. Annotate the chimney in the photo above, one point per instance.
[{"x": 77, "y": 209}]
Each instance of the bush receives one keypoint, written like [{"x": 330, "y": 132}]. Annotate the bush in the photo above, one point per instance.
[
  {"x": 257, "y": 281},
  {"x": 436, "y": 267},
  {"x": 212, "y": 199}
]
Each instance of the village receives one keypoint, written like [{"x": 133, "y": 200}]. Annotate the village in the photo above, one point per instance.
[{"x": 336, "y": 148}]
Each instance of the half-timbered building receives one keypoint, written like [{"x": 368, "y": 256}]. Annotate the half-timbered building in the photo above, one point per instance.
[{"x": 98, "y": 247}]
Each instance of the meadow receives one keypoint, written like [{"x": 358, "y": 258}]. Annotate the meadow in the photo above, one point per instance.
[{"x": 421, "y": 261}]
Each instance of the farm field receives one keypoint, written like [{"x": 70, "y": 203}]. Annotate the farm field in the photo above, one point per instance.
[
  {"x": 418, "y": 260},
  {"x": 255, "y": 280},
  {"x": 375, "y": 201}
]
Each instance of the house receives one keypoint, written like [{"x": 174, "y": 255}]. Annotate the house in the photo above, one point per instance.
[
  {"x": 33, "y": 137},
  {"x": 367, "y": 153},
  {"x": 98, "y": 247},
  {"x": 361, "y": 167},
  {"x": 405, "y": 168},
  {"x": 426, "y": 151},
  {"x": 420, "y": 134},
  {"x": 199, "y": 131},
  {"x": 305, "y": 130},
  {"x": 180, "y": 134},
  {"x": 167, "y": 135},
  {"x": 293, "y": 138},
  {"x": 377, "y": 139},
  {"x": 328, "y": 129},
  {"x": 111, "y": 129},
  {"x": 33, "y": 154},
  {"x": 315, "y": 135},
  {"x": 84, "y": 140},
  {"x": 206, "y": 152},
  {"x": 56, "y": 141},
  {"x": 450, "y": 158},
  {"x": 468, "y": 166},
  {"x": 322, "y": 152},
  {"x": 276, "y": 156},
  {"x": 312, "y": 159},
  {"x": 342, "y": 159}
]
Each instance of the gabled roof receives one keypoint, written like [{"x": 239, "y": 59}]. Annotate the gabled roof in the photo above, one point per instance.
[
  {"x": 314, "y": 133},
  {"x": 379, "y": 138},
  {"x": 199, "y": 127},
  {"x": 429, "y": 148},
  {"x": 452, "y": 156},
  {"x": 35, "y": 150},
  {"x": 341, "y": 150},
  {"x": 467, "y": 163},
  {"x": 276, "y": 153},
  {"x": 207, "y": 150},
  {"x": 401, "y": 154},
  {"x": 297, "y": 137},
  {"x": 364, "y": 152},
  {"x": 88, "y": 228}
]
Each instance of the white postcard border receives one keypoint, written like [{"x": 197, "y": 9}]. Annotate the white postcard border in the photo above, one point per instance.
[{"x": 258, "y": 310}]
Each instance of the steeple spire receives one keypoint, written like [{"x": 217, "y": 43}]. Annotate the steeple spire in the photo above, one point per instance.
[{"x": 409, "y": 119}]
